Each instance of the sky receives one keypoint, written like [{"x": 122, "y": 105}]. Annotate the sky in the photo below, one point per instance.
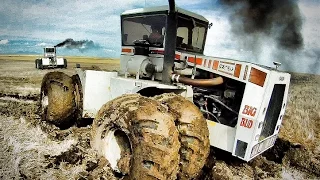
[{"x": 28, "y": 26}]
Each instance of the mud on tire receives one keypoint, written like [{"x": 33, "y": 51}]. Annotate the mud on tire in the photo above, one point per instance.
[
  {"x": 78, "y": 98},
  {"x": 193, "y": 134},
  {"x": 57, "y": 101},
  {"x": 145, "y": 133}
]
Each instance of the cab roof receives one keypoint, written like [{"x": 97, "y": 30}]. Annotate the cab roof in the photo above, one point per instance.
[{"x": 163, "y": 9}]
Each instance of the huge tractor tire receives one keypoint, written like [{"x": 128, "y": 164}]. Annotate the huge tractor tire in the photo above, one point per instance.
[
  {"x": 138, "y": 137},
  {"x": 36, "y": 63},
  {"x": 57, "y": 99},
  {"x": 78, "y": 97},
  {"x": 40, "y": 65},
  {"x": 65, "y": 63},
  {"x": 193, "y": 134}
]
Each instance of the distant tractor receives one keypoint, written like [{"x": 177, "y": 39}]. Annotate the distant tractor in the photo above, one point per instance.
[
  {"x": 157, "y": 117},
  {"x": 50, "y": 60}
]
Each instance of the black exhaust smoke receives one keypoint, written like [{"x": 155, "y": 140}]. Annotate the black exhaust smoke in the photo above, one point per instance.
[
  {"x": 279, "y": 19},
  {"x": 80, "y": 45}
]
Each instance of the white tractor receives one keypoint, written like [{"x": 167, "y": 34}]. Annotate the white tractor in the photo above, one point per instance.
[
  {"x": 158, "y": 116},
  {"x": 50, "y": 60}
]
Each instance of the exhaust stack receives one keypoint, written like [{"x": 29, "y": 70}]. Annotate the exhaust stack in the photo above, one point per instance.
[{"x": 170, "y": 43}]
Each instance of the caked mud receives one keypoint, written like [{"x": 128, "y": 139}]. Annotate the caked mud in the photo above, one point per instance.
[
  {"x": 87, "y": 164},
  {"x": 280, "y": 162},
  {"x": 34, "y": 149},
  {"x": 152, "y": 139}
]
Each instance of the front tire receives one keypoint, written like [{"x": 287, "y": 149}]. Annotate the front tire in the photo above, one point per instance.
[
  {"x": 138, "y": 137},
  {"x": 57, "y": 101},
  {"x": 193, "y": 134}
]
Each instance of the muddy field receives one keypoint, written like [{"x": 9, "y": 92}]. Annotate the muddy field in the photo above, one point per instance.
[{"x": 31, "y": 149}]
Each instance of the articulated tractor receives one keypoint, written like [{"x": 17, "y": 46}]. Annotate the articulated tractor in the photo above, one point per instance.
[
  {"x": 157, "y": 117},
  {"x": 50, "y": 59}
]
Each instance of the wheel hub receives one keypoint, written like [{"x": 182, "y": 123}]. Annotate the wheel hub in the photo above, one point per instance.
[{"x": 118, "y": 150}]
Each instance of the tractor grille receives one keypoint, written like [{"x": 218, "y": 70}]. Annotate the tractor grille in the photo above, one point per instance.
[{"x": 273, "y": 111}]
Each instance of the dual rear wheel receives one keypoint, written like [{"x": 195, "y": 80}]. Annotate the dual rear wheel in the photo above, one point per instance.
[{"x": 165, "y": 137}]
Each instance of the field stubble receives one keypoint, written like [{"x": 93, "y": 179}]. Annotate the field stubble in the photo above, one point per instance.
[{"x": 301, "y": 123}]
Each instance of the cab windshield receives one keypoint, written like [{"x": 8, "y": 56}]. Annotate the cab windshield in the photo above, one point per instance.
[
  {"x": 49, "y": 50},
  {"x": 149, "y": 30},
  {"x": 144, "y": 30},
  {"x": 191, "y": 34}
]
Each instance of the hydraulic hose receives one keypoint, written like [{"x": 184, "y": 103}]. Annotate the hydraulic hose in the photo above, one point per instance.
[{"x": 197, "y": 82}]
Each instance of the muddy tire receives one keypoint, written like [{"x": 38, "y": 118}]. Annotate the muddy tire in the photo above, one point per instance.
[
  {"x": 146, "y": 136},
  {"x": 40, "y": 66},
  {"x": 193, "y": 134},
  {"x": 38, "y": 63},
  {"x": 57, "y": 99},
  {"x": 65, "y": 64},
  {"x": 78, "y": 97}
]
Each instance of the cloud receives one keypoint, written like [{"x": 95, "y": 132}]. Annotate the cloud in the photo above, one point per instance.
[
  {"x": 57, "y": 20},
  {"x": 4, "y": 41},
  {"x": 109, "y": 50},
  {"x": 42, "y": 44},
  {"x": 99, "y": 20}
]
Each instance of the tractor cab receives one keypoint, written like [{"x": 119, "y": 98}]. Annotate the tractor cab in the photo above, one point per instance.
[
  {"x": 49, "y": 52},
  {"x": 147, "y": 28},
  {"x": 145, "y": 34}
]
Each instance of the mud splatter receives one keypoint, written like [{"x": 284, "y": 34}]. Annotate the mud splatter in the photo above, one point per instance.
[{"x": 33, "y": 149}]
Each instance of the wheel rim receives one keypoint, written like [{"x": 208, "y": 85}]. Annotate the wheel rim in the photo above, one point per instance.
[
  {"x": 44, "y": 103},
  {"x": 118, "y": 150}
]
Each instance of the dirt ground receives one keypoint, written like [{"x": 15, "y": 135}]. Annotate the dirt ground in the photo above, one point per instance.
[{"x": 31, "y": 149}]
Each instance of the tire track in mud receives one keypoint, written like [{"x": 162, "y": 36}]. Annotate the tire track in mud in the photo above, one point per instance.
[
  {"x": 17, "y": 105},
  {"x": 268, "y": 165},
  {"x": 31, "y": 97},
  {"x": 295, "y": 155}
]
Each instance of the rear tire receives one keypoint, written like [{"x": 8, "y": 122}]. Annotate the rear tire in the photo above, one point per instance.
[
  {"x": 36, "y": 63},
  {"x": 65, "y": 65},
  {"x": 40, "y": 66},
  {"x": 78, "y": 97},
  {"x": 152, "y": 146},
  {"x": 193, "y": 134},
  {"x": 57, "y": 99}
]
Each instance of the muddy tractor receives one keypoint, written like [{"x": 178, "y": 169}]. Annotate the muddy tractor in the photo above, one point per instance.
[
  {"x": 50, "y": 60},
  {"x": 157, "y": 117}
]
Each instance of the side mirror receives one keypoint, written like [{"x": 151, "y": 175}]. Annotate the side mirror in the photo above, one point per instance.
[
  {"x": 210, "y": 25},
  {"x": 277, "y": 64}
]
